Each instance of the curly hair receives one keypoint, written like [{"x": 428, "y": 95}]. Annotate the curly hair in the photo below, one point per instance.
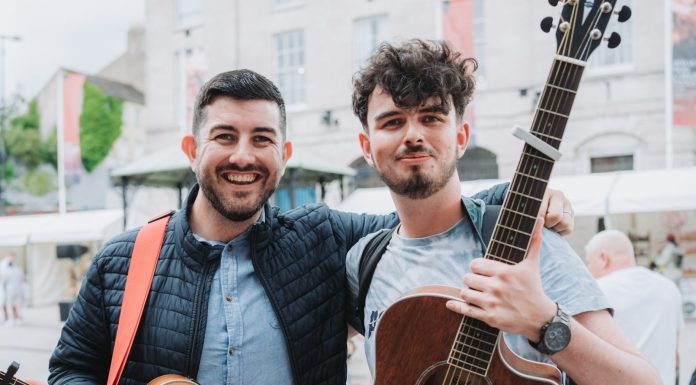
[{"x": 414, "y": 71}]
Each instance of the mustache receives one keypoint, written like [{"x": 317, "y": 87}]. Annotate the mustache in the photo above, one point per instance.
[
  {"x": 236, "y": 167},
  {"x": 417, "y": 149}
]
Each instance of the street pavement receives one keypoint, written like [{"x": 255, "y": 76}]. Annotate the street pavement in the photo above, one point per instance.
[{"x": 31, "y": 343}]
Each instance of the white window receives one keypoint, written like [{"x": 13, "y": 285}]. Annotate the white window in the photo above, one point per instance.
[
  {"x": 189, "y": 13},
  {"x": 611, "y": 163},
  {"x": 479, "y": 36},
  {"x": 369, "y": 33},
  {"x": 604, "y": 56},
  {"x": 290, "y": 61}
]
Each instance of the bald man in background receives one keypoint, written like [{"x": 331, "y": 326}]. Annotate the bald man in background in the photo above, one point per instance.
[{"x": 647, "y": 306}]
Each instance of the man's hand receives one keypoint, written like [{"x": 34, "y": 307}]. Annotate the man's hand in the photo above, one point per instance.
[
  {"x": 508, "y": 297},
  {"x": 557, "y": 212}
]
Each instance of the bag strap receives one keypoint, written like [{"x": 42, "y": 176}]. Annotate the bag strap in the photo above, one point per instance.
[
  {"x": 375, "y": 248},
  {"x": 146, "y": 251}
]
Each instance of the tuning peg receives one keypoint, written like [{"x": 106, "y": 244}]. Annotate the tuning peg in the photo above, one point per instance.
[
  {"x": 614, "y": 40},
  {"x": 546, "y": 24},
  {"x": 624, "y": 13},
  {"x": 553, "y": 2}
]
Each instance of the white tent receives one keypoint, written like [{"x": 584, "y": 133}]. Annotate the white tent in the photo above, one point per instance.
[
  {"x": 592, "y": 195},
  {"x": 38, "y": 235}
]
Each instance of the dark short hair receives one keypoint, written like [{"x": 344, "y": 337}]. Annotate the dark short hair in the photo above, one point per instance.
[
  {"x": 238, "y": 84},
  {"x": 414, "y": 71}
]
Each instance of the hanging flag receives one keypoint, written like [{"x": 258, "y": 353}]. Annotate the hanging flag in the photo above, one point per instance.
[
  {"x": 73, "y": 93},
  {"x": 684, "y": 62}
]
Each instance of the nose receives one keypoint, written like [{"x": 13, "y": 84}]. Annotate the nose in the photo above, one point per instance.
[
  {"x": 414, "y": 132},
  {"x": 243, "y": 153}
]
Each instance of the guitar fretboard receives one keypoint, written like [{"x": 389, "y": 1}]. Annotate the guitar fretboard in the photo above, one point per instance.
[{"x": 476, "y": 342}]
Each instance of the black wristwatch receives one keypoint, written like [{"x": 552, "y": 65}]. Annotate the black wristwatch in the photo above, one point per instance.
[{"x": 554, "y": 336}]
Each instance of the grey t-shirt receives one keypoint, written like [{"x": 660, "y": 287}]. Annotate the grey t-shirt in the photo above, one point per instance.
[{"x": 444, "y": 259}]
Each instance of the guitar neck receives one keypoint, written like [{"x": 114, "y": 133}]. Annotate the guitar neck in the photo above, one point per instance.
[
  {"x": 513, "y": 229},
  {"x": 515, "y": 224}
]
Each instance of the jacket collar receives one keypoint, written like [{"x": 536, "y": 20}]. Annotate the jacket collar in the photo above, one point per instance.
[{"x": 202, "y": 252}]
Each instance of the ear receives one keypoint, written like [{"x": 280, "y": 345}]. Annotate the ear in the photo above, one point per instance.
[
  {"x": 604, "y": 260},
  {"x": 287, "y": 152},
  {"x": 365, "y": 147},
  {"x": 190, "y": 148},
  {"x": 462, "y": 137}
]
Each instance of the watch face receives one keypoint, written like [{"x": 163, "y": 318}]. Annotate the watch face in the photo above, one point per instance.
[{"x": 557, "y": 336}]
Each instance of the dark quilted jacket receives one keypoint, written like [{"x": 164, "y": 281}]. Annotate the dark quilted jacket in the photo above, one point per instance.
[{"x": 299, "y": 257}]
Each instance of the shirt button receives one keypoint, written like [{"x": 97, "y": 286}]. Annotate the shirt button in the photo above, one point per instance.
[
  {"x": 228, "y": 248},
  {"x": 231, "y": 351},
  {"x": 228, "y": 298}
]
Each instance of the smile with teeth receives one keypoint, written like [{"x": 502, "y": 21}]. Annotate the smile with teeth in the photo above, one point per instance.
[{"x": 241, "y": 178}]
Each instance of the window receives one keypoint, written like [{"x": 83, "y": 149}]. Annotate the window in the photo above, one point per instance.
[
  {"x": 611, "y": 163},
  {"x": 479, "y": 36},
  {"x": 477, "y": 163},
  {"x": 366, "y": 176},
  {"x": 188, "y": 13},
  {"x": 368, "y": 32},
  {"x": 290, "y": 66},
  {"x": 604, "y": 56}
]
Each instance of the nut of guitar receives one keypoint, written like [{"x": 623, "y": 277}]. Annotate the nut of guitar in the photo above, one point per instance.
[{"x": 172, "y": 379}]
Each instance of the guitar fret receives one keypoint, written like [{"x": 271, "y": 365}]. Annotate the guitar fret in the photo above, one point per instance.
[
  {"x": 499, "y": 259},
  {"x": 532, "y": 176},
  {"x": 548, "y": 160},
  {"x": 506, "y": 244},
  {"x": 562, "y": 88},
  {"x": 553, "y": 113},
  {"x": 515, "y": 230},
  {"x": 570, "y": 60},
  {"x": 525, "y": 195},
  {"x": 539, "y": 133},
  {"x": 520, "y": 213},
  {"x": 477, "y": 329},
  {"x": 469, "y": 347},
  {"x": 471, "y": 367}
]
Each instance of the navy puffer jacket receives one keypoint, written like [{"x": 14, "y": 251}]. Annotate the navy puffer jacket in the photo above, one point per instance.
[{"x": 299, "y": 257}]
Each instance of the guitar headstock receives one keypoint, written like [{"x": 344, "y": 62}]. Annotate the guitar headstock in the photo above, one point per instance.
[{"x": 581, "y": 28}]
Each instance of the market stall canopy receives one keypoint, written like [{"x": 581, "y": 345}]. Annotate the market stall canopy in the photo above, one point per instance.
[
  {"x": 74, "y": 227},
  {"x": 169, "y": 167},
  {"x": 592, "y": 194}
]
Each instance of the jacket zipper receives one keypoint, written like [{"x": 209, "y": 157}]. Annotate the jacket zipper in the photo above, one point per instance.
[
  {"x": 262, "y": 278},
  {"x": 198, "y": 321}
]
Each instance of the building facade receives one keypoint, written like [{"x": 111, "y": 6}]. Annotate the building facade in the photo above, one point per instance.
[{"x": 312, "y": 48}]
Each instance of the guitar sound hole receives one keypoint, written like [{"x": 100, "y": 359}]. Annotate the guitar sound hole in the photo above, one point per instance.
[{"x": 446, "y": 375}]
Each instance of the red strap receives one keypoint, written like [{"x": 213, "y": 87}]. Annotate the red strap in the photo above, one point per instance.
[{"x": 142, "y": 268}]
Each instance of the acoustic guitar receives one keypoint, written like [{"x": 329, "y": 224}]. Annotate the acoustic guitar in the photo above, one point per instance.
[
  {"x": 444, "y": 348},
  {"x": 8, "y": 378}
]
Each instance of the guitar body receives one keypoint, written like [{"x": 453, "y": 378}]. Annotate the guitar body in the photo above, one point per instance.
[
  {"x": 414, "y": 338},
  {"x": 172, "y": 379}
]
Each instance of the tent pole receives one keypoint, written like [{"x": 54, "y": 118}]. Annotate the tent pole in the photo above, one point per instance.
[{"x": 179, "y": 187}]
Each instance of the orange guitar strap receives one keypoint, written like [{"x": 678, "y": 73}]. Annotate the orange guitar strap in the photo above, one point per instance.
[{"x": 146, "y": 252}]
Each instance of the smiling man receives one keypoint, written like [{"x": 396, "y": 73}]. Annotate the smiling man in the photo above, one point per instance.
[
  {"x": 242, "y": 294},
  {"x": 411, "y": 99}
]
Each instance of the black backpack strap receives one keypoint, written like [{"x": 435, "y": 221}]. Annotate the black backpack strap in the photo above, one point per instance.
[
  {"x": 375, "y": 248},
  {"x": 369, "y": 259},
  {"x": 490, "y": 216}
]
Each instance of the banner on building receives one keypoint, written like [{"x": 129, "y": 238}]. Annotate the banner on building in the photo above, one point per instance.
[
  {"x": 684, "y": 62},
  {"x": 73, "y": 94}
]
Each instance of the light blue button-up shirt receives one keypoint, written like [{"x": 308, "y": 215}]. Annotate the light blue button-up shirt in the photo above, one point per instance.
[{"x": 243, "y": 344}]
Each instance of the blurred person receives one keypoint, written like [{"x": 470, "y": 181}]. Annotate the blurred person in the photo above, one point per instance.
[
  {"x": 12, "y": 279},
  {"x": 647, "y": 306},
  {"x": 242, "y": 293},
  {"x": 410, "y": 99}
]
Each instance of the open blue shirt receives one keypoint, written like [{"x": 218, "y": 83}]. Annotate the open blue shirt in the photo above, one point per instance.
[{"x": 243, "y": 344}]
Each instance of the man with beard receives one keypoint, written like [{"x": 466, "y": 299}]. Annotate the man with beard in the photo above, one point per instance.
[
  {"x": 242, "y": 294},
  {"x": 410, "y": 99}
]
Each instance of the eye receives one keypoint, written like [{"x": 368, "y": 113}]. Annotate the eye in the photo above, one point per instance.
[
  {"x": 262, "y": 139},
  {"x": 432, "y": 119},
  {"x": 393, "y": 123},
  {"x": 225, "y": 138}
]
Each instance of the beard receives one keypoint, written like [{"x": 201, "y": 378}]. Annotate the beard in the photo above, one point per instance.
[
  {"x": 421, "y": 183},
  {"x": 241, "y": 205}
]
